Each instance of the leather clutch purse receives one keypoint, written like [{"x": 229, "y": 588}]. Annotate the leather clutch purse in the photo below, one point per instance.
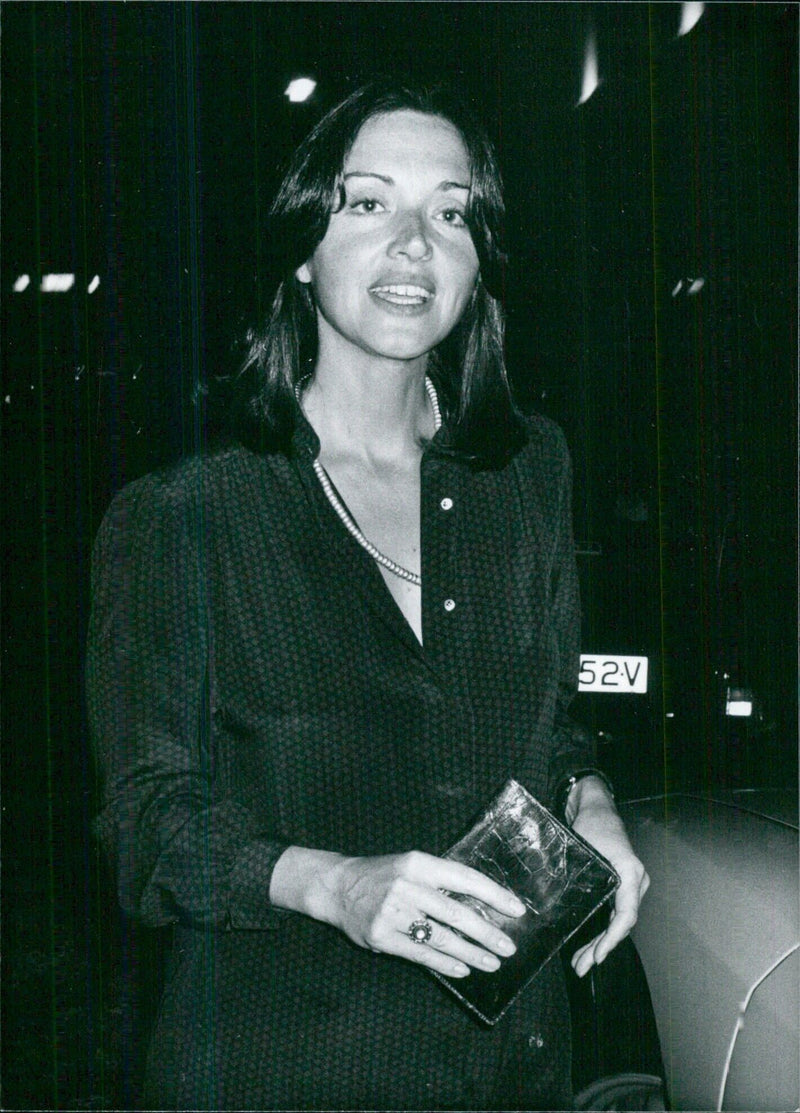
[{"x": 560, "y": 878}]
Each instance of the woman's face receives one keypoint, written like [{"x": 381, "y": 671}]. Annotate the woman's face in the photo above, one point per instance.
[{"x": 397, "y": 265}]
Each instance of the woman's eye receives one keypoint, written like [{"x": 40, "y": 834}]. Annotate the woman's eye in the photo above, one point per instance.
[
  {"x": 366, "y": 205},
  {"x": 454, "y": 217}
]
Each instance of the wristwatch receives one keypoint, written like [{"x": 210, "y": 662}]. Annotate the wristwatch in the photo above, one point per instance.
[{"x": 568, "y": 782}]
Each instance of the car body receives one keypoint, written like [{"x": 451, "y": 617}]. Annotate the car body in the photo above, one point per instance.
[{"x": 719, "y": 939}]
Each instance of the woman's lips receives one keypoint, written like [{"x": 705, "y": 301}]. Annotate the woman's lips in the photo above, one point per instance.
[{"x": 402, "y": 294}]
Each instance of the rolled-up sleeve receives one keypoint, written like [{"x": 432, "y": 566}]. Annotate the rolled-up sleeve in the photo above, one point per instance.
[{"x": 184, "y": 850}]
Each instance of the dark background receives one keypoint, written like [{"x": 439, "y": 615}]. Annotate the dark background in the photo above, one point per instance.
[{"x": 142, "y": 142}]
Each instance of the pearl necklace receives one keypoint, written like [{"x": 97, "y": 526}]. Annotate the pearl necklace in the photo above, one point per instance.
[{"x": 346, "y": 519}]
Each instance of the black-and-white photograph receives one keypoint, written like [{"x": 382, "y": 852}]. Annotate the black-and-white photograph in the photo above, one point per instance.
[{"x": 400, "y": 590}]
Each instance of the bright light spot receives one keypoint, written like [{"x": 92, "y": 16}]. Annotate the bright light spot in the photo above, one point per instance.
[
  {"x": 591, "y": 77},
  {"x": 8, "y": 399},
  {"x": 90, "y": 289},
  {"x": 22, "y": 283},
  {"x": 690, "y": 16},
  {"x": 739, "y": 703},
  {"x": 300, "y": 89},
  {"x": 696, "y": 286},
  {"x": 677, "y": 289},
  {"x": 670, "y": 714},
  {"x": 57, "y": 283}
]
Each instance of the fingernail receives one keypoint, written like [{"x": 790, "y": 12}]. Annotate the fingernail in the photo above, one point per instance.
[
  {"x": 490, "y": 962},
  {"x": 516, "y": 906},
  {"x": 459, "y": 970},
  {"x": 505, "y": 946}
]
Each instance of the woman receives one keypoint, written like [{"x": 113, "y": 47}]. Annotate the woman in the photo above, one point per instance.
[{"x": 316, "y": 655}]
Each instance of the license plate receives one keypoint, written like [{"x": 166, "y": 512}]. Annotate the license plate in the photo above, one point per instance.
[{"x": 608, "y": 673}]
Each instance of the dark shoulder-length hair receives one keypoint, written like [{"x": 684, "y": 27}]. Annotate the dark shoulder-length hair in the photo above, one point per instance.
[{"x": 481, "y": 423}]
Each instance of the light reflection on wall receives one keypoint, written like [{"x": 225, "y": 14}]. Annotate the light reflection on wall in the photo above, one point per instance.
[
  {"x": 591, "y": 72},
  {"x": 300, "y": 89},
  {"x": 60, "y": 283},
  {"x": 690, "y": 17},
  {"x": 57, "y": 283}
]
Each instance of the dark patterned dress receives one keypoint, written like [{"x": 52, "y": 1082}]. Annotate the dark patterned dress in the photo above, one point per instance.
[{"x": 253, "y": 685}]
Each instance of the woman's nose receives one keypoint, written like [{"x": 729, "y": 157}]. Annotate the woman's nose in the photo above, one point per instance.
[{"x": 411, "y": 237}]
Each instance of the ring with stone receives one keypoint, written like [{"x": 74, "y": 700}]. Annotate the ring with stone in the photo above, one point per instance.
[{"x": 420, "y": 931}]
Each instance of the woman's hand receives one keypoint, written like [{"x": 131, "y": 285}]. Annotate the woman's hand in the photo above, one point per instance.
[
  {"x": 374, "y": 901},
  {"x": 592, "y": 814}
]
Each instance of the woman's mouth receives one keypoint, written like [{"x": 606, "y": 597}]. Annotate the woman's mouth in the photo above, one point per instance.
[{"x": 402, "y": 294}]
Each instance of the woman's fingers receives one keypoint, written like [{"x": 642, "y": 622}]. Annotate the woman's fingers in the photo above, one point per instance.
[
  {"x": 424, "y": 954},
  {"x": 599, "y": 823},
  {"x": 455, "y": 877},
  {"x": 380, "y": 898},
  {"x": 456, "y": 932},
  {"x": 634, "y": 883},
  {"x": 626, "y": 912},
  {"x": 463, "y": 879},
  {"x": 461, "y": 917},
  {"x": 472, "y": 924},
  {"x": 448, "y": 952},
  {"x": 480, "y": 954}
]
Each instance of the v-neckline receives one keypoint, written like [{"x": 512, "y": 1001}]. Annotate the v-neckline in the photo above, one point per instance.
[
  {"x": 374, "y": 565},
  {"x": 357, "y": 565}
]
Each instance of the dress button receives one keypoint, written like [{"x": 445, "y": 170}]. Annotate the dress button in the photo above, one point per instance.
[
  {"x": 449, "y": 604},
  {"x": 446, "y": 504}
]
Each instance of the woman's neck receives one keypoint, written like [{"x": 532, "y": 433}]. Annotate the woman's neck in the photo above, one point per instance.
[{"x": 379, "y": 412}]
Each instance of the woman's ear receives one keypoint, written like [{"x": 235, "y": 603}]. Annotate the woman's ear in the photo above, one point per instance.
[{"x": 303, "y": 274}]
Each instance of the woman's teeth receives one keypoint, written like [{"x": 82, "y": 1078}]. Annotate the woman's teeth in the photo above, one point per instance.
[{"x": 403, "y": 295}]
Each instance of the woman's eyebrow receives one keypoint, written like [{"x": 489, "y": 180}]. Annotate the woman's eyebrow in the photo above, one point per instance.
[
  {"x": 443, "y": 186},
  {"x": 454, "y": 185},
  {"x": 368, "y": 174}
]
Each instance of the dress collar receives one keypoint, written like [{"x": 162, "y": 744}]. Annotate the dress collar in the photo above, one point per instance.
[{"x": 305, "y": 442}]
